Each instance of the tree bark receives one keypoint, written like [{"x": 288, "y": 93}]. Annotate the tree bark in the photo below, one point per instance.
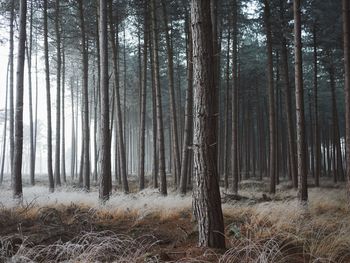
[
  {"x": 160, "y": 130},
  {"x": 86, "y": 127},
  {"x": 57, "y": 173},
  {"x": 18, "y": 150},
  {"x": 188, "y": 129},
  {"x": 346, "y": 39},
  {"x": 206, "y": 194},
  {"x": 271, "y": 97},
  {"x": 105, "y": 150},
  {"x": 299, "y": 99},
  {"x": 48, "y": 101},
  {"x": 118, "y": 114},
  {"x": 143, "y": 94},
  {"x": 11, "y": 57}
]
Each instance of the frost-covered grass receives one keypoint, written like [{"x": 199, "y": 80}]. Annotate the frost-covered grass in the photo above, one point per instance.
[{"x": 276, "y": 229}]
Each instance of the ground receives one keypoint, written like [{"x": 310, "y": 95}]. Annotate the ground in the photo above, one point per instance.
[{"x": 71, "y": 226}]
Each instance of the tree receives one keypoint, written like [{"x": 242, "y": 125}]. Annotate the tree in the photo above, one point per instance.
[
  {"x": 57, "y": 173},
  {"x": 160, "y": 130},
  {"x": 18, "y": 150},
  {"x": 143, "y": 94},
  {"x": 48, "y": 101},
  {"x": 206, "y": 194},
  {"x": 346, "y": 39},
  {"x": 86, "y": 127},
  {"x": 105, "y": 151},
  {"x": 299, "y": 99}
]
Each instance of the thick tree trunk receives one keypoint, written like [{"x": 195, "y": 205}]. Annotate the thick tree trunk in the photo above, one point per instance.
[
  {"x": 18, "y": 150},
  {"x": 57, "y": 173},
  {"x": 206, "y": 194},
  {"x": 299, "y": 98},
  {"x": 48, "y": 101},
  {"x": 160, "y": 130},
  {"x": 105, "y": 150},
  {"x": 85, "y": 100},
  {"x": 63, "y": 148},
  {"x": 346, "y": 39}
]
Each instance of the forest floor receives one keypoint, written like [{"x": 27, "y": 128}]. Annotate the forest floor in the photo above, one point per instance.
[{"x": 71, "y": 226}]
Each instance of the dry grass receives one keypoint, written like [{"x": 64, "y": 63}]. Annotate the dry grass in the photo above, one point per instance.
[{"x": 145, "y": 227}]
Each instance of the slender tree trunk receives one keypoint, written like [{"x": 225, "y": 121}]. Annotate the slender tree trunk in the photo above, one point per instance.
[
  {"x": 316, "y": 125},
  {"x": 105, "y": 150},
  {"x": 188, "y": 129},
  {"x": 143, "y": 94},
  {"x": 227, "y": 116},
  {"x": 206, "y": 194},
  {"x": 346, "y": 39},
  {"x": 160, "y": 130},
  {"x": 118, "y": 114},
  {"x": 271, "y": 97},
  {"x": 174, "y": 129},
  {"x": 11, "y": 57},
  {"x": 299, "y": 98},
  {"x": 5, "y": 127},
  {"x": 57, "y": 173},
  {"x": 29, "y": 49},
  {"x": 85, "y": 104},
  {"x": 63, "y": 148},
  {"x": 48, "y": 101},
  {"x": 18, "y": 150},
  {"x": 73, "y": 149},
  {"x": 235, "y": 100}
]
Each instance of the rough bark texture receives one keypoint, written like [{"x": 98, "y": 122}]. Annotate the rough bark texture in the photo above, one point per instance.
[
  {"x": 18, "y": 150},
  {"x": 206, "y": 194},
  {"x": 11, "y": 58},
  {"x": 299, "y": 98},
  {"x": 160, "y": 130},
  {"x": 48, "y": 101},
  {"x": 105, "y": 150}
]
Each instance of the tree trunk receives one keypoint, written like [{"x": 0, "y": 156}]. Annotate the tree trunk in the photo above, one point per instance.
[
  {"x": 316, "y": 125},
  {"x": 271, "y": 97},
  {"x": 118, "y": 114},
  {"x": 73, "y": 149},
  {"x": 5, "y": 127},
  {"x": 11, "y": 58},
  {"x": 48, "y": 101},
  {"x": 188, "y": 132},
  {"x": 299, "y": 99},
  {"x": 346, "y": 39},
  {"x": 18, "y": 150},
  {"x": 63, "y": 149},
  {"x": 174, "y": 130},
  {"x": 235, "y": 100},
  {"x": 143, "y": 94},
  {"x": 57, "y": 173},
  {"x": 105, "y": 150},
  {"x": 160, "y": 130},
  {"x": 85, "y": 104},
  {"x": 206, "y": 194}
]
